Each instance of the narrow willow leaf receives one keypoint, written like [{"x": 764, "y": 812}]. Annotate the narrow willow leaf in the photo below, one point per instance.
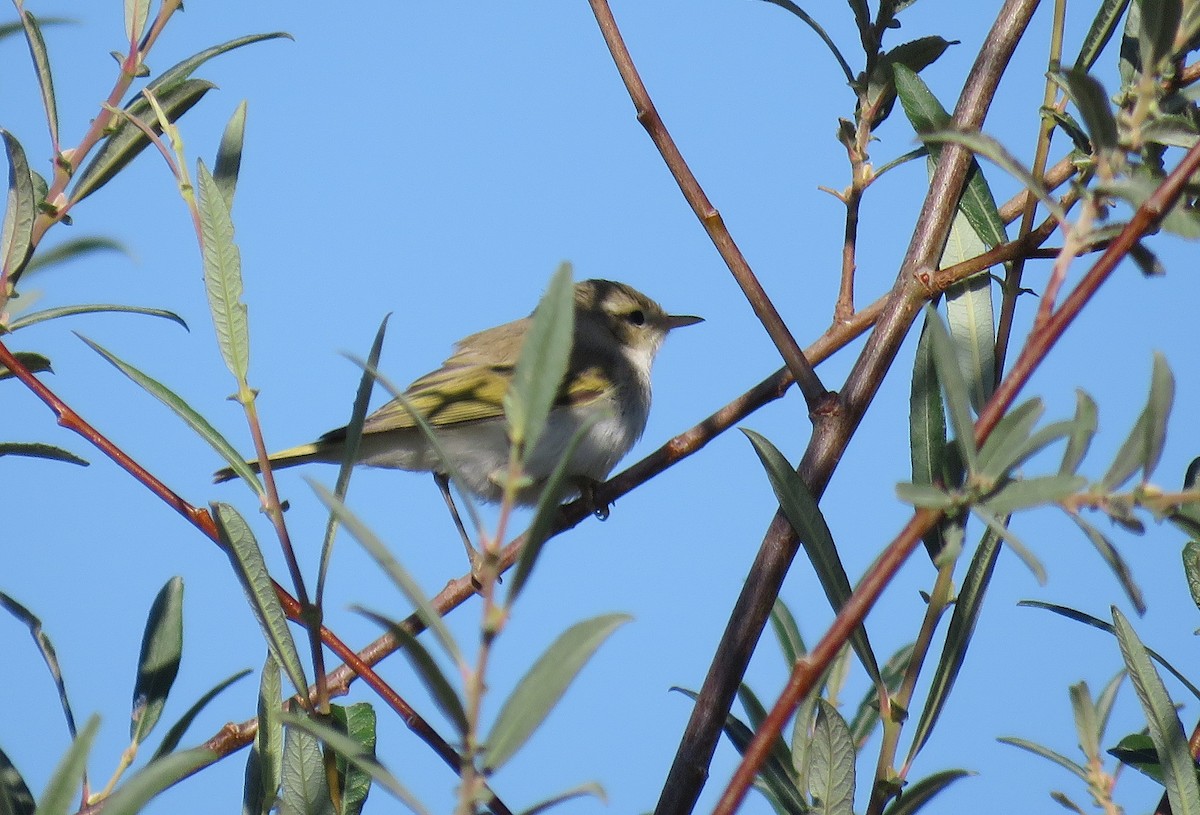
[
  {"x": 350, "y": 448},
  {"x": 776, "y": 780},
  {"x": 1094, "y": 622},
  {"x": 16, "y": 234},
  {"x": 41, "y": 66},
  {"x": 1158, "y": 411},
  {"x": 590, "y": 789},
  {"x": 176, "y": 95},
  {"x": 1108, "y": 16},
  {"x": 304, "y": 789},
  {"x": 184, "y": 411},
  {"x": 251, "y": 570},
  {"x": 1159, "y": 23},
  {"x": 925, "y": 496},
  {"x": 35, "y": 363},
  {"x": 1087, "y": 722},
  {"x": 1000, "y": 527},
  {"x": 542, "y": 364},
  {"x": 264, "y": 765},
  {"x": 1116, "y": 563},
  {"x": 542, "y": 526},
  {"x": 1137, "y": 750},
  {"x": 789, "y": 5},
  {"x": 832, "y": 778},
  {"x": 428, "y": 671},
  {"x": 970, "y": 316},
  {"x": 958, "y": 403},
  {"x": 15, "y": 797},
  {"x": 1191, "y": 569},
  {"x": 223, "y": 275},
  {"x": 1038, "y": 441},
  {"x": 158, "y": 664},
  {"x": 1024, "y": 493},
  {"x": 73, "y": 248},
  {"x": 127, "y": 140},
  {"x": 46, "y": 649},
  {"x": 394, "y": 570},
  {"x": 1094, "y": 106},
  {"x": 919, "y": 793},
  {"x": 357, "y": 721},
  {"x": 1047, "y": 753},
  {"x": 1178, "y": 766},
  {"x": 787, "y": 632},
  {"x": 1147, "y": 262},
  {"x": 1106, "y": 699},
  {"x": 176, "y": 732},
  {"x": 1007, "y": 438},
  {"x": 136, "y": 14},
  {"x": 1083, "y": 430},
  {"x": 544, "y": 684},
  {"x": 916, "y": 55},
  {"x": 926, "y": 417},
  {"x": 132, "y": 796},
  {"x": 305, "y": 732},
  {"x": 229, "y": 154},
  {"x": 921, "y": 107},
  {"x": 39, "y": 450},
  {"x": 805, "y": 516},
  {"x": 57, "y": 798},
  {"x": 963, "y": 619},
  {"x": 756, "y": 714},
  {"x": 866, "y": 716},
  {"x": 35, "y": 317}
]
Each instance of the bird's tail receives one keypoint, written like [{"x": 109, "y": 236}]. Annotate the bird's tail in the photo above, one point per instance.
[{"x": 316, "y": 451}]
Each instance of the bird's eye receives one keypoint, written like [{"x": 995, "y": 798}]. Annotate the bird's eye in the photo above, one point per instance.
[{"x": 637, "y": 317}]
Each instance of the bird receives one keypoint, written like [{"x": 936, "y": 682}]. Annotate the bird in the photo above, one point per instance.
[{"x": 617, "y": 334}]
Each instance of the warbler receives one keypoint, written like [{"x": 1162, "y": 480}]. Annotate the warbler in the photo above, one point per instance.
[{"x": 618, "y": 331}]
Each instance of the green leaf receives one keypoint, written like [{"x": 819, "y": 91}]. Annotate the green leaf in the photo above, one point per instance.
[
  {"x": 1094, "y": 106},
  {"x": 35, "y": 317},
  {"x": 546, "y": 513},
  {"x": 229, "y": 154},
  {"x": 1047, "y": 753},
  {"x": 247, "y": 560},
  {"x": 918, "y": 794},
  {"x": 302, "y": 763},
  {"x": 1024, "y": 493},
  {"x": 1000, "y": 527},
  {"x": 926, "y": 417},
  {"x": 542, "y": 364},
  {"x": 46, "y": 649},
  {"x": 126, "y": 140},
  {"x": 954, "y": 387},
  {"x": 176, "y": 732},
  {"x": 184, "y": 411},
  {"x": 132, "y": 796},
  {"x": 1178, "y": 766},
  {"x": 970, "y": 316},
  {"x": 1116, "y": 563},
  {"x": 1191, "y": 568},
  {"x": 176, "y": 94},
  {"x": 1158, "y": 411},
  {"x": 357, "y": 721},
  {"x": 223, "y": 275},
  {"x": 756, "y": 713},
  {"x": 805, "y": 517},
  {"x": 832, "y": 778},
  {"x": 39, "y": 450},
  {"x": 1083, "y": 430},
  {"x": 1106, "y": 700},
  {"x": 15, "y": 797},
  {"x": 926, "y": 496},
  {"x": 16, "y": 234},
  {"x": 305, "y": 789},
  {"x": 60, "y": 790},
  {"x": 789, "y": 5},
  {"x": 1108, "y": 16},
  {"x": 428, "y": 671},
  {"x": 916, "y": 55},
  {"x": 41, "y": 66},
  {"x": 589, "y": 789},
  {"x": 1137, "y": 751},
  {"x": 866, "y": 716},
  {"x": 1159, "y": 21},
  {"x": 71, "y": 249},
  {"x": 264, "y": 765},
  {"x": 544, "y": 684},
  {"x": 394, "y": 570},
  {"x": 158, "y": 664},
  {"x": 1087, "y": 722},
  {"x": 350, "y": 448},
  {"x": 967, "y": 608},
  {"x": 998, "y": 453},
  {"x": 136, "y": 14},
  {"x": 35, "y": 363},
  {"x": 787, "y": 632}
]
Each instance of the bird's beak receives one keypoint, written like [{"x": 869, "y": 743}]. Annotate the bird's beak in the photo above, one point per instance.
[{"x": 680, "y": 320}]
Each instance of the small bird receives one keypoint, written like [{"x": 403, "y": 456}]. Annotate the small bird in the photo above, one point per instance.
[{"x": 618, "y": 331}]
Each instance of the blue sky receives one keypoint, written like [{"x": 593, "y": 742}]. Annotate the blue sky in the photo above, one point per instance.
[{"x": 437, "y": 161}]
